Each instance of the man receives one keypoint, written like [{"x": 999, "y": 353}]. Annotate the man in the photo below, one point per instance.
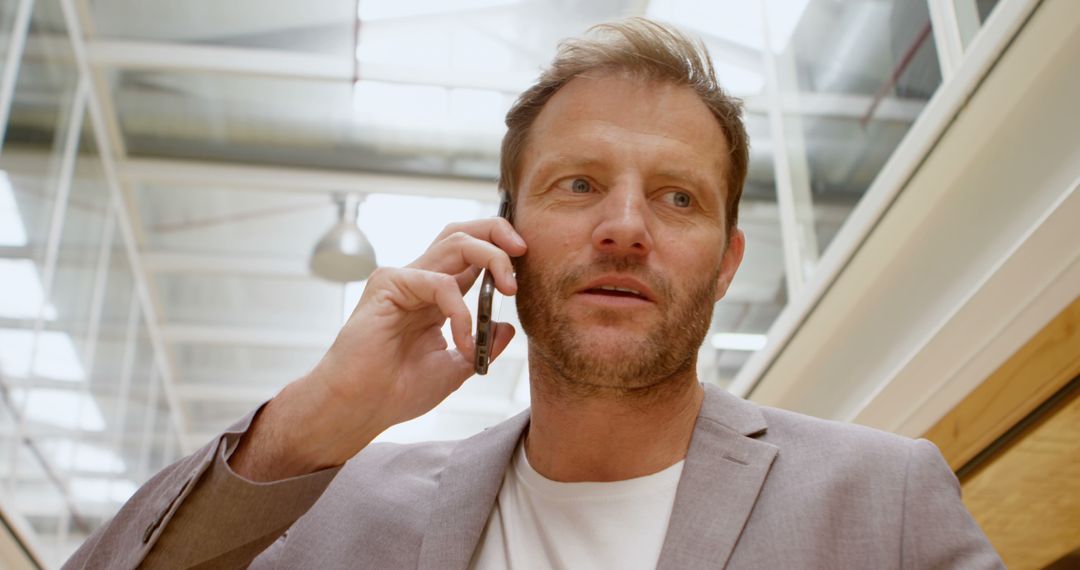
[{"x": 624, "y": 165}]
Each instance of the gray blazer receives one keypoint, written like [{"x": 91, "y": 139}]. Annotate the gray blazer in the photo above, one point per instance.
[{"x": 761, "y": 488}]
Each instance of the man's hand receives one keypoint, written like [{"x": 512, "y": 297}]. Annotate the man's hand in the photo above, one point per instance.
[{"x": 390, "y": 362}]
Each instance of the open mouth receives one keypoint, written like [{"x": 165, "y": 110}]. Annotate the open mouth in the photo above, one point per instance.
[{"x": 611, "y": 291}]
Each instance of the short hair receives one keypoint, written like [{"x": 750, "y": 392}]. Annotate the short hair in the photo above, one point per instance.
[{"x": 642, "y": 48}]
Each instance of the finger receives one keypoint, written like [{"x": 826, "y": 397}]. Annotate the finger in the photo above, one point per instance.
[
  {"x": 433, "y": 340},
  {"x": 494, "y": 230},
  {"x": 419, "y": 288},
  {"x": 458, "y": 368},
  {"x": 504, "y": 333},
  {"x": 466, "y": 278},
  {"x": 459, "y": 251}
]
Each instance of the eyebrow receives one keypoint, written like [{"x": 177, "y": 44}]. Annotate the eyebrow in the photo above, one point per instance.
[
  {"x": 547, "y": 163},
  {"x": 685, "y": 176}
]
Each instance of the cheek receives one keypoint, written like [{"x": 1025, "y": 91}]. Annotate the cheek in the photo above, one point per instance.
[
  {"x": 691, "y": 259},
  {"x": 552, "y": 238}
]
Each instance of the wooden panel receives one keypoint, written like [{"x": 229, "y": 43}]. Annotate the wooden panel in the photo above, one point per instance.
[
  {"x": 1027, "y": 499},
  {"x": 1039, "y": 369}
]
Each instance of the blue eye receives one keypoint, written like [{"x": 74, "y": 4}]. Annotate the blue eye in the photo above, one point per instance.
[
  {"x": 580, "y": 186},
  {"x": 680, "y": 199}
]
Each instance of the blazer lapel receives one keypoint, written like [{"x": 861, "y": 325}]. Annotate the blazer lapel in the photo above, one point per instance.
[
  {"x": 467, "y": 490},
  {"x": 721, "y": 480}
]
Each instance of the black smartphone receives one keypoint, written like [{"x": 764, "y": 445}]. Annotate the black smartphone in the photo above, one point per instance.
[{"x": 485, "y": 326}]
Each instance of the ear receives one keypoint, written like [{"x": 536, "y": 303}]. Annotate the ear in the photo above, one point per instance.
[{"x": 729, "y": 264}]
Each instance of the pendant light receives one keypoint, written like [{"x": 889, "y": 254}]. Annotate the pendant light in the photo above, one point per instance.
[{"x": 344, "y": 254}]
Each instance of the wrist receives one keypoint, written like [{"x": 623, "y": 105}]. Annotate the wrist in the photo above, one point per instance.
[{"x": 299, "y": 431}]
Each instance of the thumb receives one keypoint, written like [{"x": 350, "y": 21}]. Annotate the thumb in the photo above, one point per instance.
[{"x": 504, "y": 333}]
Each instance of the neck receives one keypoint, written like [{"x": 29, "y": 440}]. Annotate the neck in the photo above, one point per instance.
[{"x": 609, "y": 434}]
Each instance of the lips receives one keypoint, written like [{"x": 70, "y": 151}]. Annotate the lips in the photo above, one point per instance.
[{"x": 619, "y": 286}]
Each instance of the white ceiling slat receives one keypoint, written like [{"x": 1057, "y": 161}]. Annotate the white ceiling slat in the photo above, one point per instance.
[
  {"x": 159, "y": 56},
  {"x": 246, "y": 336},
  {"x": 126, "y": 54},
  {"x": 250, "y": 177},
  {"x": 248, "y": 394},
  {"x": 208, "y": 20},
  {"x": 247, "y": 266}
]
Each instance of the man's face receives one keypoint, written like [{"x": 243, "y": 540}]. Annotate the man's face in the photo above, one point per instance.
[{"x": 621, "y": 200}]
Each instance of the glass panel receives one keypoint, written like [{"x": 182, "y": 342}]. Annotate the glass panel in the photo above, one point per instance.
[
  {"x": 285, "y": 226},
  {"x": 112, "y": 362},
  {"x": 105, "y": 475},
  {"x": 759, "y": 292},
  {"x": 210, "y": 364},
  {"x": 63, "y": 381},
  {"x": 72, "y": 298},
  {"x": 971, "y": 15},
  {"x": 142, "y": 400},
  {"x": 29, "y": 172},
  {"x": 7, "y": 27},
  {"x": 42, "y": 375},
  {"x": 370, "y": 125},
  {"x": 8, "y": 439},
  {"x": 431, "y": 85},
  {"x": 41, "y": 107},
  {"x": 984, "y": 7},
  {"x": 315, "y": 26},
  {"x": 301, "y": 305},
  {"x": 209, "y": 219},
  {"x": 853, "y": 77},
  {"x": 39, "y": 498}
]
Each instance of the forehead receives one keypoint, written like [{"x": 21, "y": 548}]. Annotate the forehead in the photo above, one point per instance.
[{"x": 593, "y": 117}]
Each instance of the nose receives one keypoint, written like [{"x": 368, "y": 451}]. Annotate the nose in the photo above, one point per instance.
[{"x": 622, "y": 227}]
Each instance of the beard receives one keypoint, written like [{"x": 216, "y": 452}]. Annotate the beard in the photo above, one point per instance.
[{"x": 628, "y": 363}]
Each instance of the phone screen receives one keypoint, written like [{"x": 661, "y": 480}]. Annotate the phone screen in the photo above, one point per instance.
[{"x": 485, "y": 325}]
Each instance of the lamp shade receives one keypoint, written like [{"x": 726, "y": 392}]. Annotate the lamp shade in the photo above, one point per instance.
[{"x": 344, "y": 254}]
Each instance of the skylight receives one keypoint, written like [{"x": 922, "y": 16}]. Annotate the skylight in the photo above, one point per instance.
[{"x": 12, "y": 230}]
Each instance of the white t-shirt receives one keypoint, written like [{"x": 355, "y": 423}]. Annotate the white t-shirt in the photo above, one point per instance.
[{"x": 540, "y": 523}]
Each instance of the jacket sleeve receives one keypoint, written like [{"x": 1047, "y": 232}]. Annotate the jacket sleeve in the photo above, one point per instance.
[
  {"x": 938, "y": 531},
  {"x": 199, "y": 512}
]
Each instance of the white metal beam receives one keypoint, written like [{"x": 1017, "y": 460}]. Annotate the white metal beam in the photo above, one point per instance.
[
  {"x": 142, "y": 472},
  {"x": 159, "y": 56},
  {"x": 115, "y": 54},
  {"x": 123, "y": 220},
  {"x": 948, "y": 40},
  {"x": 246, "y": 336},
  {"x": 840, "y": 105},
  {"x": 225, "y": 393},
  {"x": 723, "y": 49},
  {"x": 19, "y": 30},
  {"x": 57, "y": 218},
  {"x": 127, "y": 367},
  {"x": 248, "y": 177},
  {"x": 189, "y": 263},
  {"x": 792, "y": 179},
  {"x": 967, "y": 19}
]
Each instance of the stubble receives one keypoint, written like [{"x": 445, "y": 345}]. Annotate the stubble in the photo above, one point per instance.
[{"x": 632, "y": 365}]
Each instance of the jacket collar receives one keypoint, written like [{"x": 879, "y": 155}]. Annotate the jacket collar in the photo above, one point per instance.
[
  {"x": 721, "y": 479},
  {"x": 468, "y": 487}
]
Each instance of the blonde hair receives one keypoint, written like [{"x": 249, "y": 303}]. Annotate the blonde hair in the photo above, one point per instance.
[{"x": 641, "y": 48}]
